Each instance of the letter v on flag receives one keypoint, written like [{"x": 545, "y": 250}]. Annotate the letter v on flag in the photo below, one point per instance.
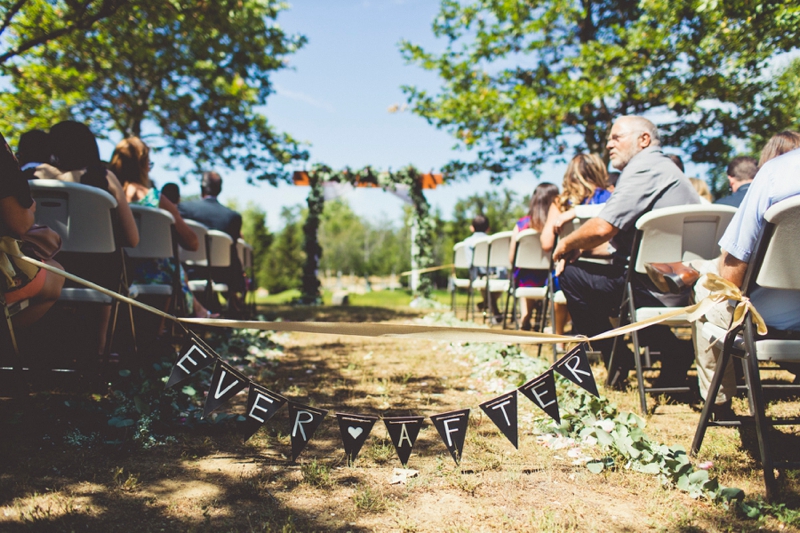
[
  {"x": 225, "y": 384},
  {"x": 575, "y": 367}
]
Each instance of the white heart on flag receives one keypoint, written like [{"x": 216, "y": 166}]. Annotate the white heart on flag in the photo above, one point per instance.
[{"x": 355, "y": 432}]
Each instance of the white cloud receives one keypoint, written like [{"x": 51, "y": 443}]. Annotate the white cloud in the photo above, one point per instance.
[{"x": 302, "y": 97}]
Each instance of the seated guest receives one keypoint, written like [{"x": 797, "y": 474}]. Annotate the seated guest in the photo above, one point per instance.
[
  {"x": 543, "y": 198},
  {"x": 702, "y": 190},
  {"x": 130, "y": 162},
  {"x": 479, "y": 229},
  {"x": 585, "y": 183},
  {"x": 216, "y": 216},
  {"x": 741, "y": 171},
  {"x": 33, "y": 150},
  {"x": 172, "y": 192},
  {"x": 779, "y": 144},
  {"x": 649, "y": 181},
  {"x": 20, "y": 280},
  {"x": 77, "y": 158}
]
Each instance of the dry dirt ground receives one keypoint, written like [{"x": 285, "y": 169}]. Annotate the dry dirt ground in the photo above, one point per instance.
[{"x": 208, "y": 480}]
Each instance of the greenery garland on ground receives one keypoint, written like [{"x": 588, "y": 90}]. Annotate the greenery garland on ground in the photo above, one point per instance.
[
  {"x": 596, "y": 423},
  {"x": 407, "y": 176}
]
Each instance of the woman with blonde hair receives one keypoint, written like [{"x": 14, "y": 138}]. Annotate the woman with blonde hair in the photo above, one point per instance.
[
  {"x": 131, "y": 164},
  {"x": 585, "y": 183}
]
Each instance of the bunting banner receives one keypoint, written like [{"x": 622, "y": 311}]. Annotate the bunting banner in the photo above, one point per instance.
[
  {"x": 575, "y": 367},
  {"x": 403, "y": 431},
  {"x": 355, "y": 430},
  {"x": 503, "y": 412},
  {"x": 452, "y": 427},
  {"x": 226, "y": 383},
  {"x": 304, "y": 421},
  {"x": 541, "y": 390},
  {"x": 262, "y": 404},
  {"x": 194, "y": 356}
]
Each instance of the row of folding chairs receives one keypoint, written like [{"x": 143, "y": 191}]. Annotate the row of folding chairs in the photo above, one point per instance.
[{"x": 84, "y": 217}]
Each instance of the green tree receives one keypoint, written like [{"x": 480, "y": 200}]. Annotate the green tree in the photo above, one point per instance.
[
  {"x": 26, "y": 24},
  {"x": 525, "y": 81},
  {"x": 255, "y": 232},
  {"x": 284, "y": 264},
  {"x": 192, "y": 74},
  {"x": 501, "y": 208}
]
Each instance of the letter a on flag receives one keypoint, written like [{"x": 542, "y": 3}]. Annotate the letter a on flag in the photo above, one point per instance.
[
  {"x": 503, "y": 412},
  {"x": 355, "y": 430},
  {"x": 304, "y": 421},
  {"x": 542, "y": 391},
  {"x": 403, "y": 430},
  {"x": 195, "y": 356},
  {"x": 262, "y": 404},
  {"x": 452, "y": 427},
  {"x": 575, "y": 367},
  {"x": 225, "y": 384}
]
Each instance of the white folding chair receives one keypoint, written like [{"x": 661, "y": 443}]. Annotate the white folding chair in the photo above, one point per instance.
[
  {"x": 245, "y": 252},
  {"x": 460, "y": 262},
  {"x": 772, "y": 266},
  {"x": 668, "y": 235},
  {"x": 497, "y": 261},
  {"x": 528, "y": 255},
  {"x": 156, "y": 241},
  {"x": 214, "y": 250},
  {"x": 480, "y": 256},
  {"x": 84, "y": 218}
]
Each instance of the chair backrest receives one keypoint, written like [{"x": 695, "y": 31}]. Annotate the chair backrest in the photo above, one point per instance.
[
  {"x": 529, "y": 251},
  {"x": 80, "y": 214},
  {"x": 779, "y": 267},
  {"x": 480, "y": 252},
  {"x": 220, "y": 244},
  {"x": 460, "y": 259},
  {"x": 241, "y": 252},
  {"x": 582, "y": 214},
  {"x": 155, "y": 233},
  {"x": 499, "y": 245},
  {"x": 681, "y": 233},
  {"x": 197, "y": 257}
]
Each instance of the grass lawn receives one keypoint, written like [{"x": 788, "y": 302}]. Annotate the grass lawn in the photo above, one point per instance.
[{"x": 65, "y": 465}]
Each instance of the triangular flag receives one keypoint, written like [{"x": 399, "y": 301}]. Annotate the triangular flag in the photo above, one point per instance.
[
  {"x": 195, "y": 356},
  {"x": 304, "y": 421},
  {"x": 226, "y": 383},
  {"x": 262, "y": 404},
  {"x": 542, "y": 391},
  {"x": 503, "y": 412},
  {"x": 403, "y": 430},
  {"x": 355, "y": 430},
  {"x": 575, "y": 367},
  {"x": 452, "y": 427}
]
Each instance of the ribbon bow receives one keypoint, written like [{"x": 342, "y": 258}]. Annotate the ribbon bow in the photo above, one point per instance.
[
  {"x": 722, "y": 289},
  {"x": 9, "y": 251}
]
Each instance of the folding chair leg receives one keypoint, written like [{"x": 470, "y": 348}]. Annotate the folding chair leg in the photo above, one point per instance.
[
  {"x": 716, "y": 383},
  {"x": 508, "y": 299},
  {"x": 624, "y": 319},
  {"x": 763, "y": 424}
]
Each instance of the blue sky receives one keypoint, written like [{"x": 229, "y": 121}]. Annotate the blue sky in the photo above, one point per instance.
[{"x": 336, "y": 97}]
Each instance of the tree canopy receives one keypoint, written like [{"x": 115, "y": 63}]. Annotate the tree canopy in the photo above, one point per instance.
[
  {"x": 192, "y": 74},
  {"x": 524, "y": 81}
]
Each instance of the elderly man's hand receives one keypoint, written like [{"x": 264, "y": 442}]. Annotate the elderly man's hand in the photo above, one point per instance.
[{"x": 561, "y": 252}]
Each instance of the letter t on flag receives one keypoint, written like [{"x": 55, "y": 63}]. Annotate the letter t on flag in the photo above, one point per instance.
[
  {"x": 503, "y": 412},
  {"x": 575, "y": 367}
]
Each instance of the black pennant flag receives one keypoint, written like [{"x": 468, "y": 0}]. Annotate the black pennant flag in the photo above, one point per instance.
[
  {"x": 355, "y": 430},
  {"x": 304, "y": 421},
  {"x": 403, "y": 430},
  {"x": 262, "y": 404},
  {"x": 542, "y": 391},
  {"x": 452, "y": 427},
  {"x": 503, "y": 412},
  {"x": 195, "y": 356},
  {"x": 575, "y": 367},
  {"x": 225, "y": 384}
]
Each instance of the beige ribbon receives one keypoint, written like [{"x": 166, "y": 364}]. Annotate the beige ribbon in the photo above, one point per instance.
[
  {"x": 9, "y": 251},
  {"x": 721, "y": 291},
  {"x": 424, "y": 270}
]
